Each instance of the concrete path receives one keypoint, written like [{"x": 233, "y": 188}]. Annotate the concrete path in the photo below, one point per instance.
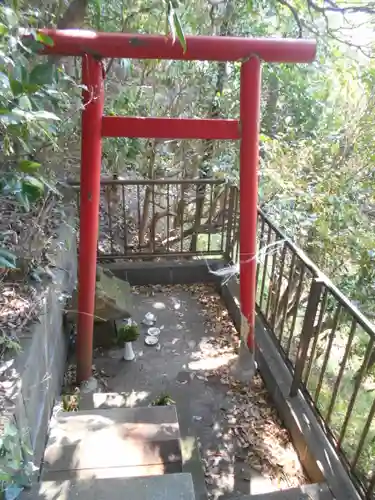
[{"x": 178, "y": 366}]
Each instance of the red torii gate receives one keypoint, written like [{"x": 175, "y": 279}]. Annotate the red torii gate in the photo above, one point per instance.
[{"x": 95, "y": 46}]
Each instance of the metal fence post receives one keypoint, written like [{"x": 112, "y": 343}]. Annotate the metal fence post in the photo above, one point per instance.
[
  {"x": 230, "y": 222},
  {"x": 307, "y": 333}
]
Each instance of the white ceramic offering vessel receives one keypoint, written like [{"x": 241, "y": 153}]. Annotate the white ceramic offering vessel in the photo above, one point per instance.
[{"x": 129, "y": 354}]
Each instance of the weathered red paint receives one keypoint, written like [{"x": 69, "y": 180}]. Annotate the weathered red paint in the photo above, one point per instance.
[
  {"x": 170, "y": 128},
  {"x": 94, "y": 46},
  {"x": 93, "y": 99},
  {"x": 199, "y": 48},
  {"x": 249, "y": 157}
]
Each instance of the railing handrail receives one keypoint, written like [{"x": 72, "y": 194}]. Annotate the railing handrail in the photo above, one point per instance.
[
  {"x": 362, "y": 320},
  {"x": 309, "y": 305},
  {"x": 162, "y": 206},
  {"x": 156, "y": 182}
]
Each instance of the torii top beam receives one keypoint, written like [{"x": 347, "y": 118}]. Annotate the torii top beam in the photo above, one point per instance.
[{"x": 199, "y": 48}]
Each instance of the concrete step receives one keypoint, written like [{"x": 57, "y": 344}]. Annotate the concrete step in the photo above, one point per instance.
[
  {"x": 167, "y": 487},
  {"x": 113, "y": 443},
  {"x": 192, "y": 463},
  {"x": 191, "y": 459},
  {"x": 306, "y": 492}
]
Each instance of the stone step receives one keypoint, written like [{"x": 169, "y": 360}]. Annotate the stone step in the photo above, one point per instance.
[
  {"x": 191, "y": 459},
  {"x": 167, "y": 487},
  {"x": 306, "y": 492},
  {"x": 113, "y": 443}
]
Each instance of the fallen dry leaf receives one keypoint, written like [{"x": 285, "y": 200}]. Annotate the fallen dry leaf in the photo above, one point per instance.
[{"x": 253, "y": 421}]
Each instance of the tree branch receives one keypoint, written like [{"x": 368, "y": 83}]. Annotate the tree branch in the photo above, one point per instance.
[
  {"x": 329, "y": 6},
  {"x": 125, "y": 26},
  {"x": 334, "y": 7},
  {"x": 294, "y": 12}
]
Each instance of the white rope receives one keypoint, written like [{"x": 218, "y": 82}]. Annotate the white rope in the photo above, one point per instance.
[{"x": 234, "y": 270}]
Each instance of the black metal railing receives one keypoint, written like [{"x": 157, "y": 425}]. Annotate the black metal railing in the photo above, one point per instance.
[
  {"x": 163, "y": 218},
  {"x": 327, "y": 344}
]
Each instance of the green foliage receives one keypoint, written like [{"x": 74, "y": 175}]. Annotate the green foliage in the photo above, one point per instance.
[
  {"x": 163, "y": 399},
  {"x": 106, "y": 16},
  {"x": 16, "y": 467},
  {"x": 9, "y": 344},
  {"x": 127, "y": 333},
  {"x": 33, "y": 92},
  {"x": 70, "y": 402},
  {"x": 7, "y": 259},
  {"x": 31, "y": 96},
  {"x": 174, "y": 24}
]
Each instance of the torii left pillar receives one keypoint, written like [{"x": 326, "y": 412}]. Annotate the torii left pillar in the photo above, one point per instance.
[{"x": 91, "y": 155}]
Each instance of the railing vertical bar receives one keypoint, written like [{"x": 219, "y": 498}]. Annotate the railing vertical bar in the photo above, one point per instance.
[
  {"x": 260, "y": 241},
  {"x": 236, "y": 234},
  {"x": 78, "y": 211},
  {"x": 271, "y": 290},
  {"x": 279, "y": 285},
  {"x": 153, "y": 219},
  {"x": 139, "y": 215},
  {"x": 100, "y": 221},
  {"x": 182, "y": 219},
  {"x": 125, "y": 226},
  {"x": 331, "y": 338},
  {"x": 78, "y": 201},
  {"x": 357, "y": 385},
  {"x": 168, "y": 212},
  {"x": 306, "y": 333},
  {"x": 210, "y": 218},
  {"x": 341, "y": 371},
  {"x": 265, "y": 263},
  {"x": 225, "y": 217},
  {"x": 234, "y": 248},
  {"x": 109, "y": 215},
  {"x": 287, "y": 291},
  {"x": 294, "y": 319},
  {"x": 316, "y": 336},
  {"x": 362, "y": 439},
  {"x": 229, "y": 246}
]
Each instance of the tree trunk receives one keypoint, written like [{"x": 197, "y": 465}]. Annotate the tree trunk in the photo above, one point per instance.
[
  {"x": 74, "y": 16},
  {"x": 270, "y": 115},
  {"x": 205, "y": 167},
  {"x": 143, "y": 223}
]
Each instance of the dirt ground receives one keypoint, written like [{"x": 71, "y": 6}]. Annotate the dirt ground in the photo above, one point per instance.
[{"x": 30, "y": 237}]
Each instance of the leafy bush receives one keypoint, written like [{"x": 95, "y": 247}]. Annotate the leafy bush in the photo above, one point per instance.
[
  {"x": 27, "y": 84},
  {"x": 16, "y": 468},
  {"x": 32, "y": 95},
  {"x": 127, "y": 333}
]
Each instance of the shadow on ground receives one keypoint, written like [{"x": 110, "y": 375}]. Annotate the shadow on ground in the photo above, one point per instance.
[{"x": 185, "y": 365}]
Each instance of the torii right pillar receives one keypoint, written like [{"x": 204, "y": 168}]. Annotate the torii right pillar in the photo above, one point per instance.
[
  {"x": 250, "y": 95},
  {"x": 249, "y": 159}
]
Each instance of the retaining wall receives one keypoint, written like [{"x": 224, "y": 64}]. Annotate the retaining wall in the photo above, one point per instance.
[{"x": 31, "y": 380}]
